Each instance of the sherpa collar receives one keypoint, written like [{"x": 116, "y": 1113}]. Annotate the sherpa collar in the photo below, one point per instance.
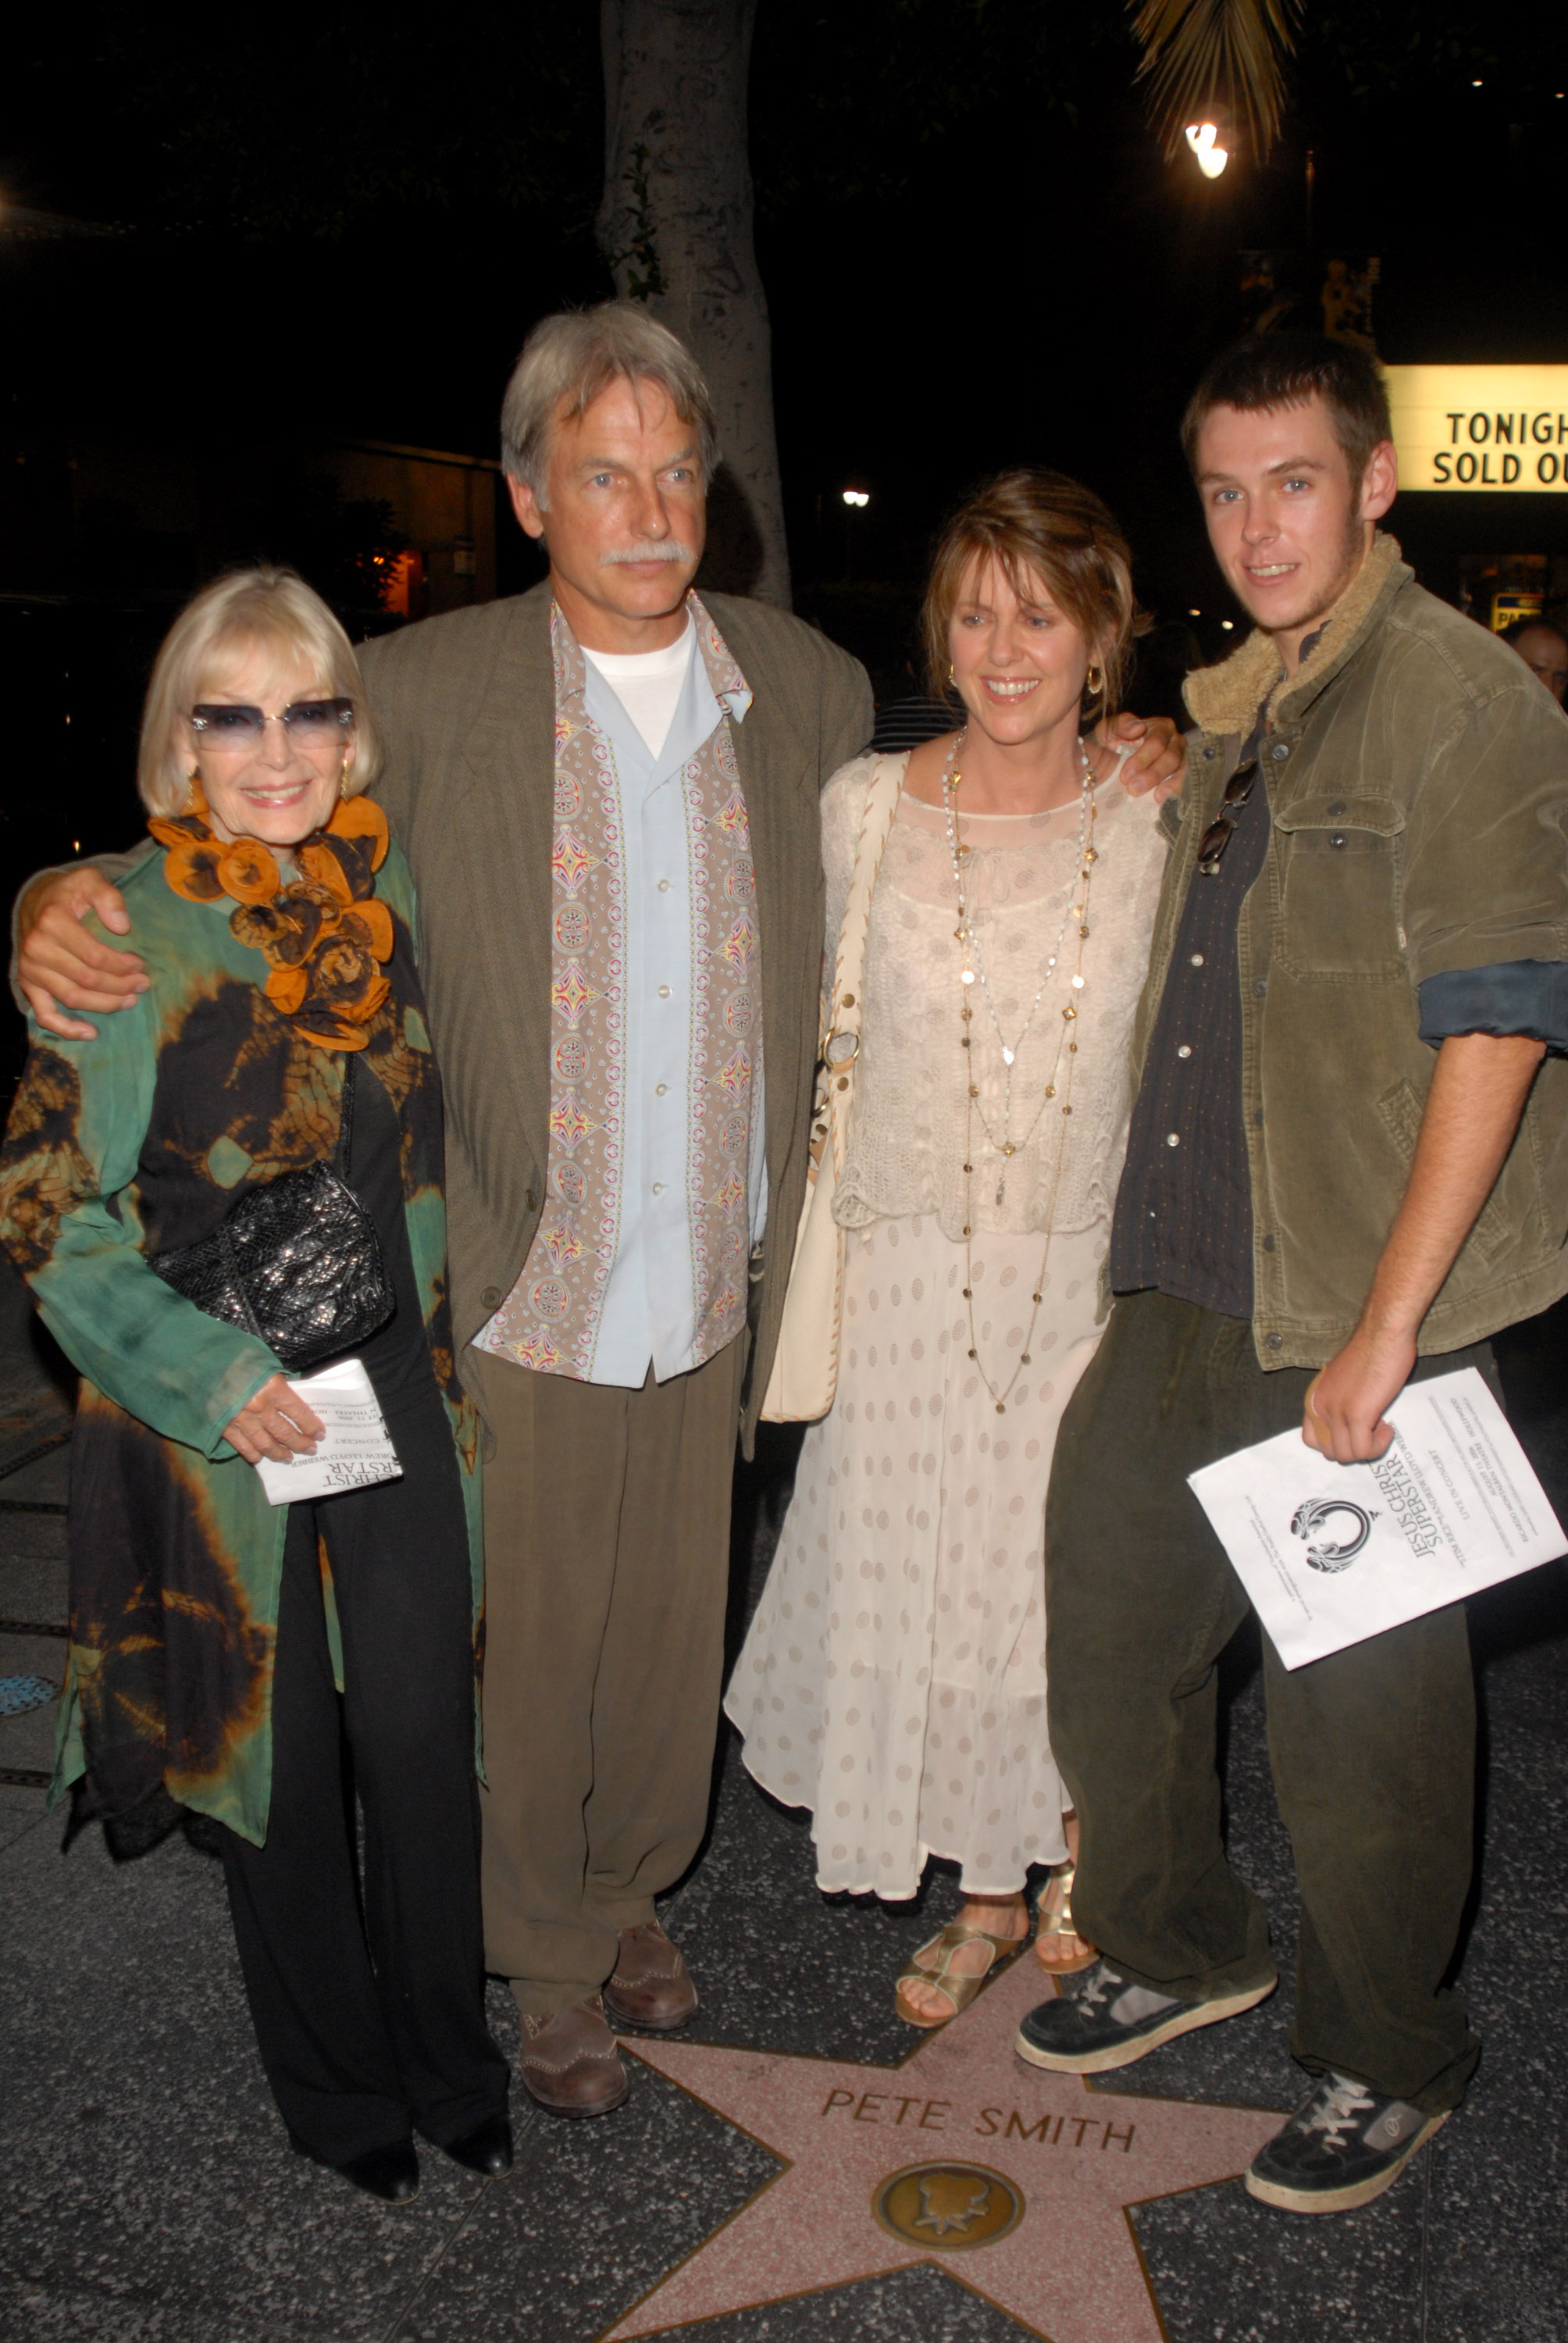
[{"x": 1226, "y": 698}]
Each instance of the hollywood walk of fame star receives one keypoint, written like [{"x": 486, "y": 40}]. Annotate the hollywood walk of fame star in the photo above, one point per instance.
[{"x": 973, "y": 2126}]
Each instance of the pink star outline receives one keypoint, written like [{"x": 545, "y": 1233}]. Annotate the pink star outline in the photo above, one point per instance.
[{"x": 1071, "y": 2272}]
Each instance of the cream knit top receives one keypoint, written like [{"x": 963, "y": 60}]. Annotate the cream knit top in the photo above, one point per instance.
[{"x": 906, "y": 1143}]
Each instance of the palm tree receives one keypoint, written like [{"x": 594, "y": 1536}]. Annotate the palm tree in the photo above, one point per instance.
[
  {"x": 676, "y": 229},
  {"x": 676, "y": 221},
  {"x": 1206, "y": 56}
]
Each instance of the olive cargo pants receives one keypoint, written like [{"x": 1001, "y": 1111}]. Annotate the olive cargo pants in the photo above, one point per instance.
[{"x": 1372, "y": 1748}]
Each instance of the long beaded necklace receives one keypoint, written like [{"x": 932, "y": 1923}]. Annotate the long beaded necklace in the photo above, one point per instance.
[{"x": 1059, "y": 1083}]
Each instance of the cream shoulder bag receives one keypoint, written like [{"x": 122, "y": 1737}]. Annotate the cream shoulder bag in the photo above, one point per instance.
[{"x": 806, "y": 1365}]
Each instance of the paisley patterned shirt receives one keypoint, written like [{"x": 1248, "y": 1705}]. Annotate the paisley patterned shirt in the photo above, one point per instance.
[{"x": 655, "y": 1186}]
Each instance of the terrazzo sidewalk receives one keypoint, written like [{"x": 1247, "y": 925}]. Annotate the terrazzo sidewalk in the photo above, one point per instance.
[{"x": 147, "y": 2194}]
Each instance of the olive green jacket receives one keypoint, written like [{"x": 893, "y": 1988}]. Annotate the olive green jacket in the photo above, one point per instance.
[{"x": 1417, "y": 776}]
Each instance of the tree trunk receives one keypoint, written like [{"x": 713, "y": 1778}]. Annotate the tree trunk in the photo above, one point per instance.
[{"x": 676, "y": 227}]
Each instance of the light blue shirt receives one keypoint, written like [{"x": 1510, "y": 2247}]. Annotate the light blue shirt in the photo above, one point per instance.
[{"x": 650, "y": 1311}]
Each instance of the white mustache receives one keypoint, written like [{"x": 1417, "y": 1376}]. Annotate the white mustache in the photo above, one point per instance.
[{"x": 665, "y": 548}]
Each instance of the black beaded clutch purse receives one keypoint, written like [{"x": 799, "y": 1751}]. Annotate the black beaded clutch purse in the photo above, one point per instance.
[{"x": 296, "y": 1263}]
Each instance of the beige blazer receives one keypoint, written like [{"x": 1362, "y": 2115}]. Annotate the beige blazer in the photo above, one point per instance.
[{"x": 466, "y": 705}]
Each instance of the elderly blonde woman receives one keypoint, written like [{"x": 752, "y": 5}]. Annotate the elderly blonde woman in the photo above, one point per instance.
[
  {"x": 894, "y": 1677},
  {"x": 259, "y": 1662}
]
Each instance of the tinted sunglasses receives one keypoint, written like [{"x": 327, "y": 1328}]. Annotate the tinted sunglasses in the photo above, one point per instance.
[
  {"x": 1216, "y": 837},
  {"x": 308, "y": 723}
]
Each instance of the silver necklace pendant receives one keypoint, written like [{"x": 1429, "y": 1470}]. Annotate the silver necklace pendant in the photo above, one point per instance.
[
  {"x": 976, "y": 972},
  {"x": 1008, "y": 1146}
]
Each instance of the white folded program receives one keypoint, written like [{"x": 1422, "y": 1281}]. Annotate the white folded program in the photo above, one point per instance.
[
  {"x": 1332, "y": 1553},
  {"x": 355, "y": 1451}
]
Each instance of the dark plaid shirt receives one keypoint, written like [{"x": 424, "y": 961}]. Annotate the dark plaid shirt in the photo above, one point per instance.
[{"x": 1183, "y": 1219}]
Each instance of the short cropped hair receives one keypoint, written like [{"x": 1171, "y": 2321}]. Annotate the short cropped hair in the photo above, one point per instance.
[
  {"x": 274, "y": 609},
  {"x": 1037, "y": 524},
  {"x": 570, "y": 359},
  {"x": 1287, "y": 370},
  {"x": 1518, "y": 629}
]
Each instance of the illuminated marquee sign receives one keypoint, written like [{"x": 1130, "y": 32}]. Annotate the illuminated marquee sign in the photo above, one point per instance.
[{"x": 1478, "y": 428}]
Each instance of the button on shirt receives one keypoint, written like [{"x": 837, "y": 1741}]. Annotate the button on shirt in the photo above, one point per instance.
[
  {"x": 1183, "y": 1222},
  {"x": 650, "y": 1313}
]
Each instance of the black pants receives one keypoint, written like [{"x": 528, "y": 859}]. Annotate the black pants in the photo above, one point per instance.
[
  {"x": 370, "y": 2013},
  {"x": 1372, "y": 1748}
]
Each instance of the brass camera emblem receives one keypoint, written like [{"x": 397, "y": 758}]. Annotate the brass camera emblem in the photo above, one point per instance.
[{"x": 948, "y": 2206}]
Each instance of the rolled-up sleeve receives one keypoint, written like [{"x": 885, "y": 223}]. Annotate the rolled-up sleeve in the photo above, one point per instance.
[
  {"x": 1515, "y": 996},
  {"x": 1484, "y": 883}
]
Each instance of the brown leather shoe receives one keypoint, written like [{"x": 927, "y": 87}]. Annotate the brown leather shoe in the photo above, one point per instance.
[
  {"x": 651, "y": 1986},
  {"x": 569, "y": 2062}
]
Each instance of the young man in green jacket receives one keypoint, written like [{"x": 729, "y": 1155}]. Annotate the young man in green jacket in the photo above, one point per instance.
[{"x": 1348, "y": 1164}]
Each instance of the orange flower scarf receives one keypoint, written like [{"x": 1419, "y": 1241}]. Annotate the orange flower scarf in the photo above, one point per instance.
[{"x": 324, "y": 935}]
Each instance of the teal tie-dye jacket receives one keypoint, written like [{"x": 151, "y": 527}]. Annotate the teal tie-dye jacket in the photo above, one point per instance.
[{"x": 136, "y": 1143}]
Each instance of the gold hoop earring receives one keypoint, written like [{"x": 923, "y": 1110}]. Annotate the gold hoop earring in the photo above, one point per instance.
[
  {"x": 951, "y": 677},
  {"x": 1094, "y": 681}
]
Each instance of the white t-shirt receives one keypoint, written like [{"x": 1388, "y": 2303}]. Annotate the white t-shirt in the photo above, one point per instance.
[{"x": 649, "y": 684}]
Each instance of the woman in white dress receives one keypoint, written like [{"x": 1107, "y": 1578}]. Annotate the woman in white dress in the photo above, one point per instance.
[{"x": 893, "y": 1679}]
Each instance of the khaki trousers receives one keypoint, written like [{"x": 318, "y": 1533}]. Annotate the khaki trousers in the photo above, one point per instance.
[{"x": 606, "y": 1555}]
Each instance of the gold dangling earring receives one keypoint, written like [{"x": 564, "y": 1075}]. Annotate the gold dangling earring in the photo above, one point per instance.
[{"x": 1094, "y": 681}]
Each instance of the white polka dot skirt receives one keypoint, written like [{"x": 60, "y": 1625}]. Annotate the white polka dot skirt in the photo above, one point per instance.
[{"x": 893, "y": 1679}]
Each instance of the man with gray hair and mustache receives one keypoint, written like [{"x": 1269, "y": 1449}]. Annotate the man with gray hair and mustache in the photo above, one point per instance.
[{"x": 607, "y": 788}]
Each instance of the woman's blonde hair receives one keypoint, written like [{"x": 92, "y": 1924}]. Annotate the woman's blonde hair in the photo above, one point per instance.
[
  {"x": 266, "y": 607},
  {"x": 1037, "y": 523}
]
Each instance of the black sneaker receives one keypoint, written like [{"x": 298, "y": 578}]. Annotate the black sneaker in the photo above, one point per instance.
[
  {"x": 1111, "y": 2022},
  {"x": 1342, "y": 2148}
]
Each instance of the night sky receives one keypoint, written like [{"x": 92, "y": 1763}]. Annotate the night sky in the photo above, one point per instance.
[{"x": 974, "y": 251}]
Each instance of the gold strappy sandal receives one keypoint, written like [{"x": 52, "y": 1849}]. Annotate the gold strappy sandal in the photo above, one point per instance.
[
  {"x": 959, "y": 1990},
  {"x": 1053, "y": 1921}
]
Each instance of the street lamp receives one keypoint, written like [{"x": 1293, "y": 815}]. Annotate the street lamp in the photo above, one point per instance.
[
  {"x": 1203, "y": 139},
  {"x": 855, "y": 500}
]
